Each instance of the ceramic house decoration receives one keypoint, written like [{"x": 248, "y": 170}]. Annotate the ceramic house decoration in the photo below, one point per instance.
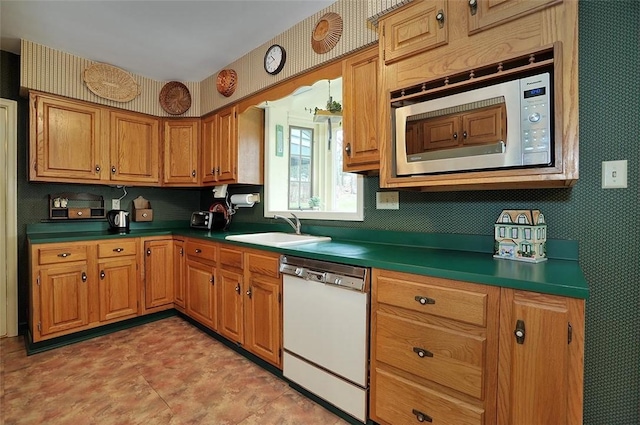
[{"x": 521, "y": 235}]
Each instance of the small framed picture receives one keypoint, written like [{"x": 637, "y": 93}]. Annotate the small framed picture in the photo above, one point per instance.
[{"x": 279, "y": 140}]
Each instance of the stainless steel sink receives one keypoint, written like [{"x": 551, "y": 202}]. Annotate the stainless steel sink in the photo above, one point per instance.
[{"x": 277, "y": 239}]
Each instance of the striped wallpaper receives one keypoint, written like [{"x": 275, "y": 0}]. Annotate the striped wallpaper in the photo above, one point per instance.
[{"x": 52, "y": 71}]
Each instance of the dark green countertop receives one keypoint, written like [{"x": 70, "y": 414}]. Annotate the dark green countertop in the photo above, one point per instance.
[{"x": 451, "y": 256}]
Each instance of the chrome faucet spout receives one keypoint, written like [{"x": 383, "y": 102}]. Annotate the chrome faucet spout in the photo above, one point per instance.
[{"x": 296, "y": 226}]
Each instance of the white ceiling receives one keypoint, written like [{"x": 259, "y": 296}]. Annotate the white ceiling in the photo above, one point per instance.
[{"x": 179, "y": 40}]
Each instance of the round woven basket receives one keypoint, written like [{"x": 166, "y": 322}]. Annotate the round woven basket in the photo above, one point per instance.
[
  {"x": 110, "y": 82},
  {"x": 226, "y": 82},
  {"x": 175, "y": 98},
  {"x": 326, "y": 33}
]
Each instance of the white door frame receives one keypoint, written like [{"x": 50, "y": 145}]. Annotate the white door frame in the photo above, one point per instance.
[{"x": 8, "y": 218}]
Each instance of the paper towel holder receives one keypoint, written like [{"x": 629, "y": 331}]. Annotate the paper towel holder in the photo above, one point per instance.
[{"x": 245, "y": 200}]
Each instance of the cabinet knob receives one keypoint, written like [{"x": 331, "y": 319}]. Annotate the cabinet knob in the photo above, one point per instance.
[
  {"x": 422, "y": 353},
  {"x": 98, "y": 168},
  {"x": 102, "y": 274},
  {"x": 440, "y": 18},
  {"x": 455, "y": 136},
  {"x": 79, "y": 212},
  {"x": 64, "y": 254},
  {"x": 421, "y": 417},
  {"x": 144, "y": 215},
  {"x": 198, "y": 251},
  {"x": 347, "y": 149},
  {"x": 519, "y": 332},
  {"x": 84, "y": 276},
  {"x": 424, "y": 300},
  {"x": 181, "y": 252},
  {"x": 473, "y": 6},
  {"x": 213, "y": 171},
  {"x": 464, "y": 134},
  {"x": 193, "y": 173},
  {"x": 118, "y": 249},
  {"x": 148, "y": 252},
  {"x": 212, "y": 280},
  {"x": 113, "y": 169},
  {"x": 238, "y": 289},
  {"x": 249, "y": 292}
]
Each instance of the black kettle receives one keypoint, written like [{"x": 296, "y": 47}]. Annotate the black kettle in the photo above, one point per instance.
[{"x": 118, "y": 221}]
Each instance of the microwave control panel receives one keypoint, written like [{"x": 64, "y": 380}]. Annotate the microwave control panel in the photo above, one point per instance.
[{"x": 536, "y": 117}]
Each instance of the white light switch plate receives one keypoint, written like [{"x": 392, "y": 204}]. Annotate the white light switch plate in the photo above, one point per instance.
[
  {"x": 387, "y": 201},
  {"x": 614, "y": 174}
]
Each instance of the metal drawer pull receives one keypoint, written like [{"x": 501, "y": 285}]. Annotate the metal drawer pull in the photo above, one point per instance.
[
  {"x": 79, "y": 213},
  {"x": 519, "y": 332},
  {"x": 421, "y": 352},
  {"x": 84, "y": 276},
  {"x": 118, "y": 249},
  {"x": 64, "y": 254},
  {"x": 198, "y": 251},
  {"x": 424, "y": 300},
  {"x": 421, "y": 417}
]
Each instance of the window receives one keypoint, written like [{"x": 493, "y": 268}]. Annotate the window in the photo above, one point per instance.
[
  {"x": 502, "y": 231},
  {"x": 303, "y": 157},
  {"x": 514, "y": 233},
  {"x": 300, "y": 167},
  {"x": 527, "y": 233}
]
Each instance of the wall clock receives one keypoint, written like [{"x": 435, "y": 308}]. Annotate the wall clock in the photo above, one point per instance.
[{"x": 274, "y": 59}]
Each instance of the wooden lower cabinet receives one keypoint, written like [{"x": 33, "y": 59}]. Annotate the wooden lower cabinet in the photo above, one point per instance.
[
  {"x": 179, "y": 278},
  {"x": 445, "y": 351},
  {"x": 82, "y": 285},
  {"x": 201, "y": 293},
  {"x": 158, "y": 273},
  {"x": 63, "y": 300},
  {"x": 231, "y": 305},
  {"x": 263, "y": 306}
]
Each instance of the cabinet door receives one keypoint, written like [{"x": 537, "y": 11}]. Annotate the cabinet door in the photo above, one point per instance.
[
  {"x": 181, "y": 139},
  {"x": 209, "y": 164},
  {"x": 360, "y": 111},
  {"x": 231, "y": 314},
  {"x": 158, "y": 266},
  {"x": 65, "y": 141},
  {"x": 489, "y": 13},
  {"x": 414, "y": 29},
  {"x": 541, "y": 376},
  {"x": 439, "y": 133},
  {"x": 201, "y": 293},
  {"x": 227, "y": 147},
  {"x": 64, "y": 299},
  {"x": 179, "y": 278},
  {"x": 262, "y": 318},
  {"x": 118, "y": 285},
  {"x": 134, "y": 148}
]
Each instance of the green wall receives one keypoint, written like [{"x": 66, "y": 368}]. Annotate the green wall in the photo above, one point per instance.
[{"x": 604, "y": 222}]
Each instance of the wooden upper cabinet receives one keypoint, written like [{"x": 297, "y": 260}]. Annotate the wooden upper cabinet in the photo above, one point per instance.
[
  {"x": 134, "y": 148},
  {"x": 489, "y": 13},
  {"x": 65, "y": 140},
  {"x": 227, "y": 157},
  {"x": 418, "y": 27},
  {"x": 233, "y": 146},
  {"x": 360, "y": 111},
  {"x": 181, "y": 139},
  {"x": 541, "y": 373}
]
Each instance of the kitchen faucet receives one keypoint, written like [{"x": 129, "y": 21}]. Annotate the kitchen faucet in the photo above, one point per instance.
[{"x": 295, "y": 226}]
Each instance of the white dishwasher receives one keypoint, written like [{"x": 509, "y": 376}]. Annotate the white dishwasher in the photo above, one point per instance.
[{"x": 326, "y": 331}]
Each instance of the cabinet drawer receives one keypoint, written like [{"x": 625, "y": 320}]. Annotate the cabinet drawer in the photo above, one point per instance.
[
  {"x": 264, "y": 265},
  {"x": 62, "y": 254},
  {"x": 399, "y": 401},
  {"x": 445, "y": 356},
  {"x": 231, "y": 258},
  {"x": 79, "y": 213},
  {"x": 203, "y": 250},
  {"x": 456, "y": 304},
  {"x": 119, "y": 248}
]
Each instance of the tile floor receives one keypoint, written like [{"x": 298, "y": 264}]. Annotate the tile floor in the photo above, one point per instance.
[{"x": 164, "y": 372}]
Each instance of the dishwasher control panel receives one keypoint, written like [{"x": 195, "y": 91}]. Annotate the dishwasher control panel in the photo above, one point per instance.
[{"x": 344, "y": 276}]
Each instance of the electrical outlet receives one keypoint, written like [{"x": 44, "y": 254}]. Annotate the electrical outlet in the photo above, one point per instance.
[
  {"x": 115, "y": 204},
  {"x": 387, "y": 201},
  {"x": 614, "y": 174}
]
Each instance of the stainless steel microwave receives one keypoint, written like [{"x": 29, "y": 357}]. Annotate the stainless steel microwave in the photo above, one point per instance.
[{"x": 504, "y": 125}]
